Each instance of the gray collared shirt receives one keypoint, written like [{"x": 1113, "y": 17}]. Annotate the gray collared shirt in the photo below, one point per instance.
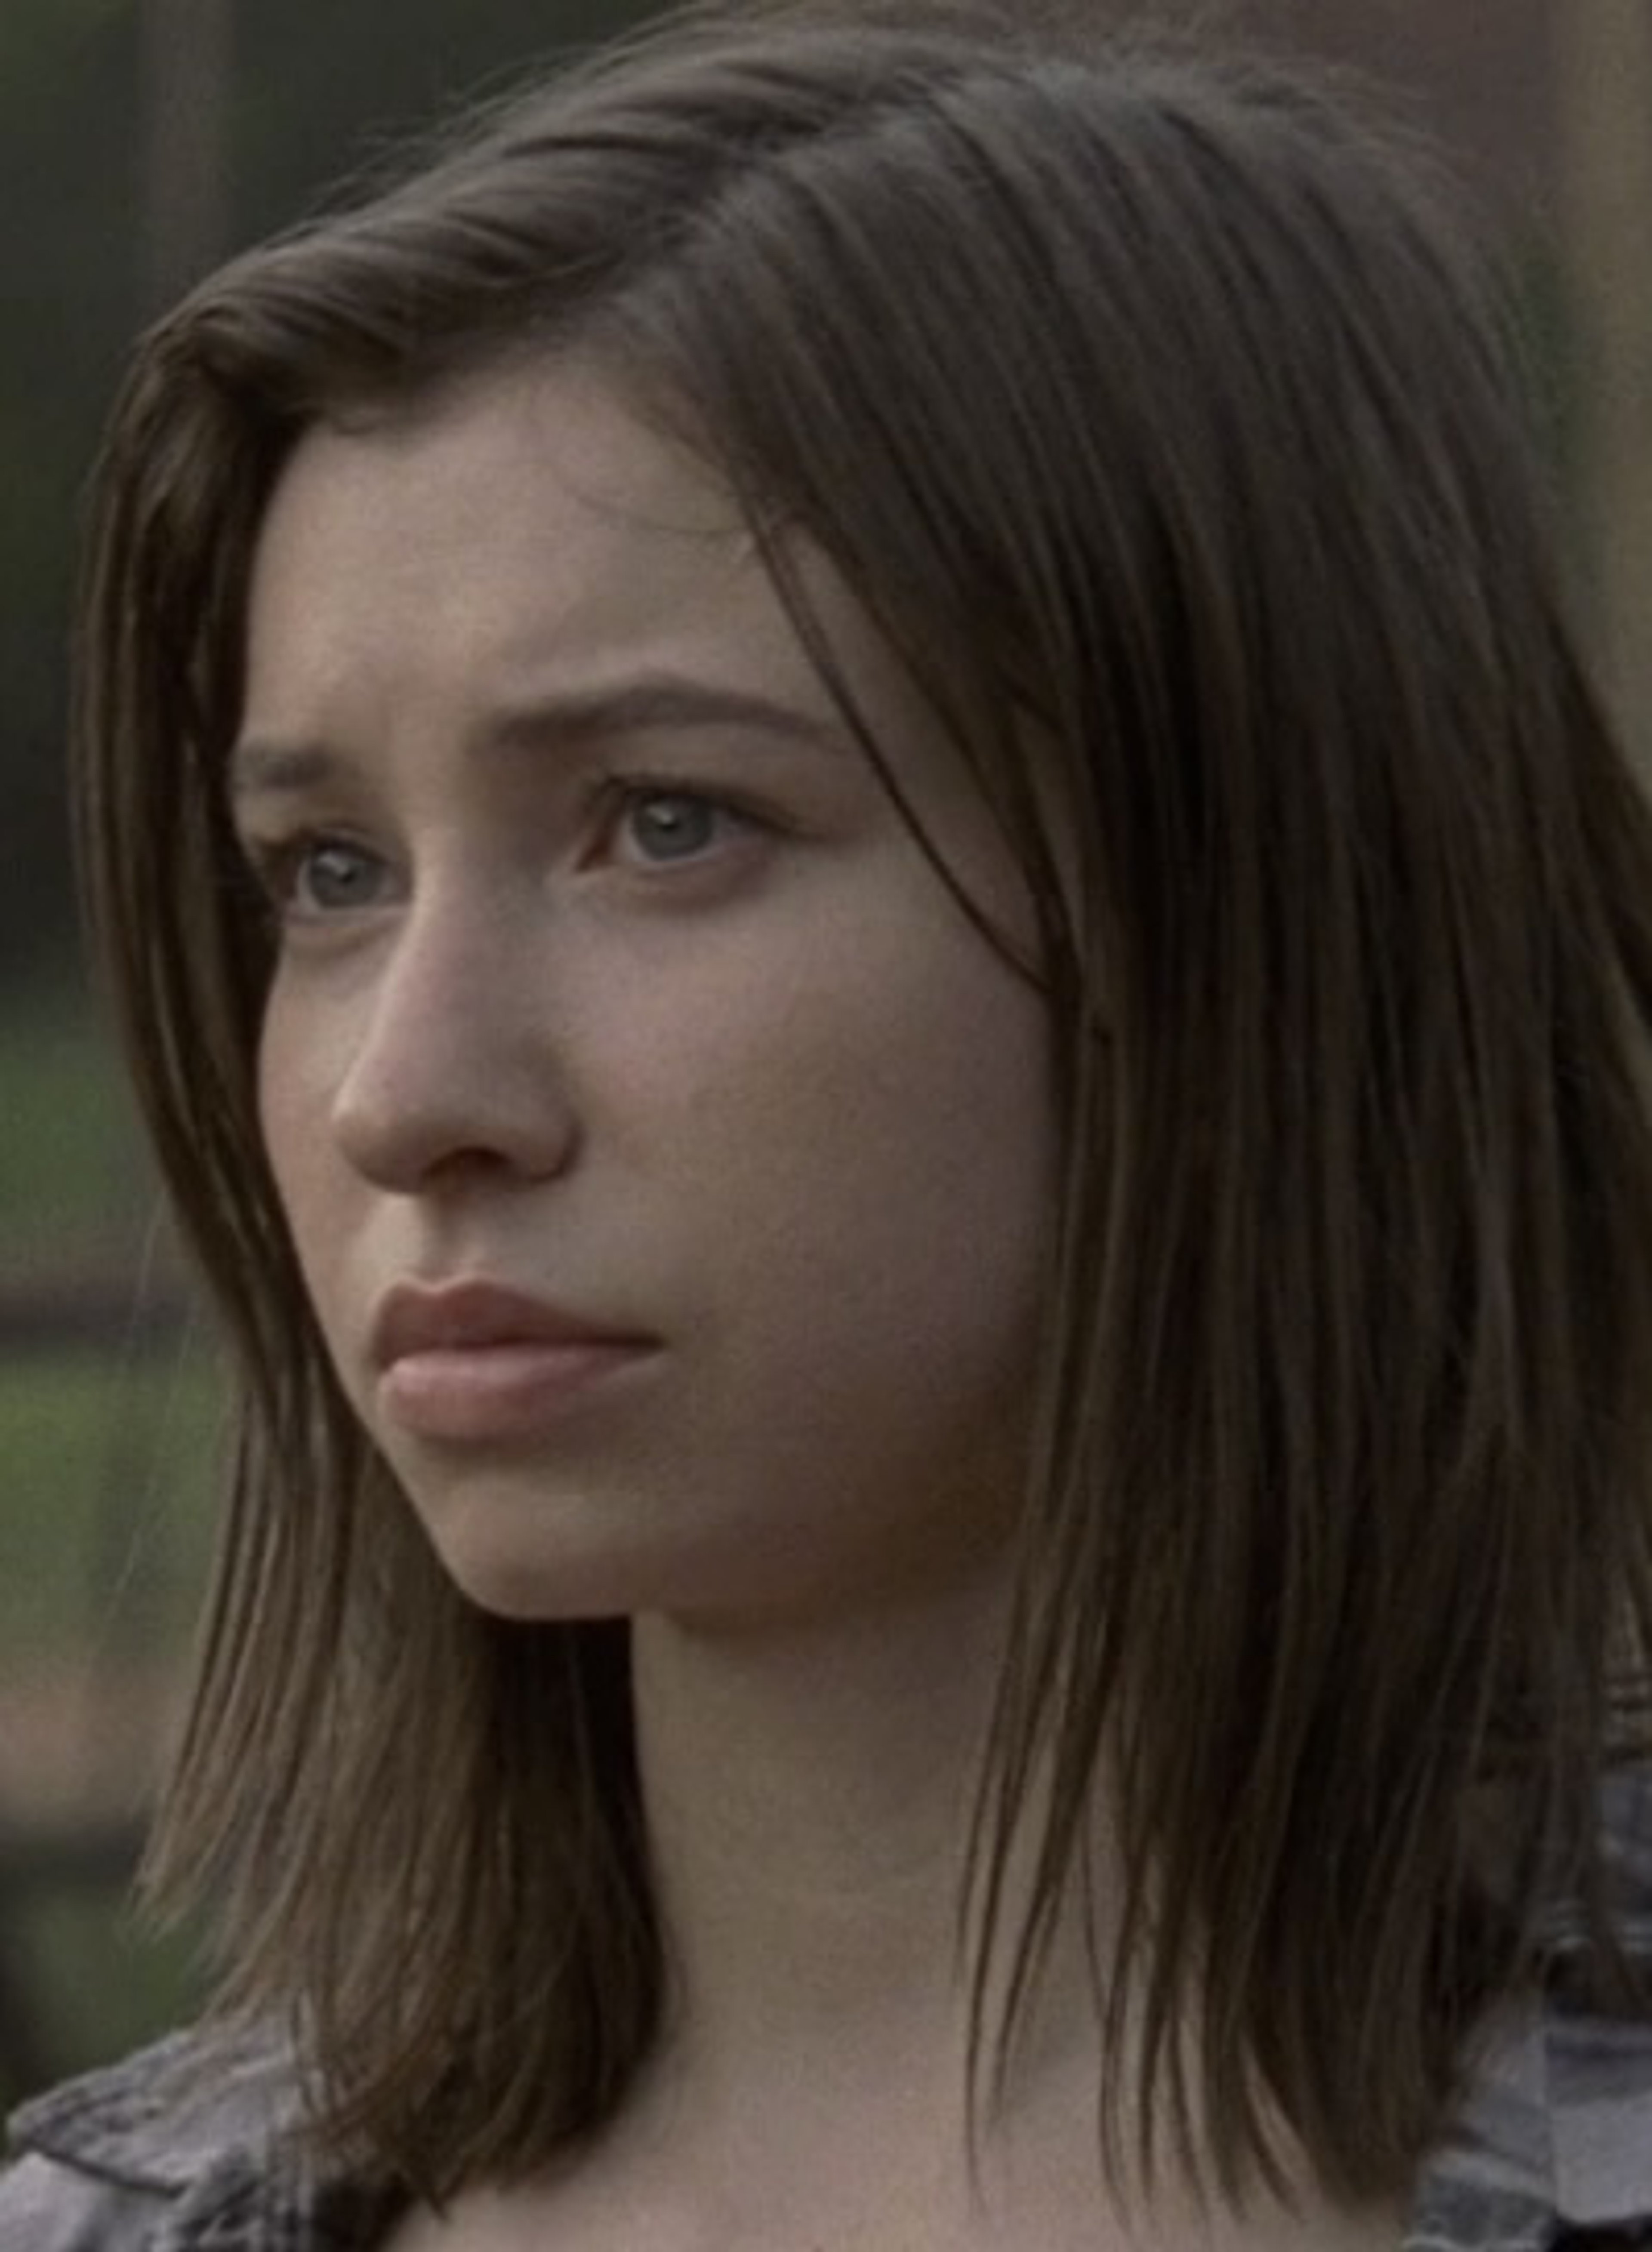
[
  {"x": 1554, "y": 2151},
  {"x": 187, "y": 2146}
]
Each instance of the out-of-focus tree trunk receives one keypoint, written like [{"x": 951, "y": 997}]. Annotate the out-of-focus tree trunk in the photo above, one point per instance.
[
  {"x": 185, "y": 87},
  {"x": 1606, "y": 52}
]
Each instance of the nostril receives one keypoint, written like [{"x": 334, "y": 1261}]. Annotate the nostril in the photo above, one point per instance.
[{"x": 433, "y": 1124}]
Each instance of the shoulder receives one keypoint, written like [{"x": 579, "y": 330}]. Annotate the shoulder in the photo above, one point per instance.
[
  {"x": 1553, "y": 2146},
  {"x": 188, "y": 2143},
  {"x": 48, "y": 2207}
]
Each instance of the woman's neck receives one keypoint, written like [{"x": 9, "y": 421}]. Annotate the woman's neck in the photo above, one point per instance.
[{"x": 809, "y": 1795}]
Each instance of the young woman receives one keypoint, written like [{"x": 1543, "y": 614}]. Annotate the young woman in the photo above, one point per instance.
[{"x": 899, "y": 984}]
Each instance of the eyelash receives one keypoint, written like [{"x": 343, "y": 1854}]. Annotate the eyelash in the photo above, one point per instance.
[
  {"x": 278, "y": 865},
  {"x": 624, "y": 796}
]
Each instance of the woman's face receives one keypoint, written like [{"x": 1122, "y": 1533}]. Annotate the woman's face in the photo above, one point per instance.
[{"x": 669, "y": 1160}]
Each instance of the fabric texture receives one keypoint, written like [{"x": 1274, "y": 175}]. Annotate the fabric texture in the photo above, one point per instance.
[{"x": 188, "y": 2146}]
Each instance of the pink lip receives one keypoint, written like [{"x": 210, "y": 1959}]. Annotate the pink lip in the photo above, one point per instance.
[{"x": 476, "y": 1361}]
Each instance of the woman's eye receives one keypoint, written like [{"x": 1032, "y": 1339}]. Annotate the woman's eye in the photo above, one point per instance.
[
  {"x": 334, "y": 876},
  {"x": 318, "y": 876},
  {"x": 656, "y": 827}
]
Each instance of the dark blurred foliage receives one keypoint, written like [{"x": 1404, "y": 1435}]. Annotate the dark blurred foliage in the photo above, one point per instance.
[{"x": 315, "y": 94}]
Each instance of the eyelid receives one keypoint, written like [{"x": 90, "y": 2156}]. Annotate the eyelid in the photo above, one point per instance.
[
  {"x": 276, "y": 857},
  {"x": 618, "y": 795},
  {"x": 275, "y": 861}
]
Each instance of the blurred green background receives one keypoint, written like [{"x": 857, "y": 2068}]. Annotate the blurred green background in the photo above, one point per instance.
[
  {"x": 106, "y": 1437},
  {"x": 140, "y": 140}
]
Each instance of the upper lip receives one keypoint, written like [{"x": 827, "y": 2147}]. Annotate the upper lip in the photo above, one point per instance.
[{"x": 461, "y": 1315}]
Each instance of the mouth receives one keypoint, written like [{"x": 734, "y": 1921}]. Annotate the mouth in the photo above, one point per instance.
[{"x": 476, "y": 1362}]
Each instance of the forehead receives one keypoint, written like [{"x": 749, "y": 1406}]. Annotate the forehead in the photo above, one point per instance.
[
  {"x": 530, "y": 535},
  {"x": 565, "y": 422},
  {"x": 527, "y": 560},
  {"x": 522, "y": 497}
]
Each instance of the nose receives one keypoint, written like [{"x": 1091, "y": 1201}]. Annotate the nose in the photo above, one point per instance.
[{"x": 453, "y": 1067}]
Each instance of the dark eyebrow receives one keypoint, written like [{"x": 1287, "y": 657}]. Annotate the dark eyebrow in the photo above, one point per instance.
[
  {"x": 257, "y": 768},
  {"x": 564, "y": 719},
  {"x": 657, "y": 701}
]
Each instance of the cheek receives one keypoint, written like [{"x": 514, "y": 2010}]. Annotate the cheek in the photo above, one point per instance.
[
  {"x": 284, "y": 1116},
  {"x": 886, "y": 1164},
  {"x": 294, "y": 1105}
]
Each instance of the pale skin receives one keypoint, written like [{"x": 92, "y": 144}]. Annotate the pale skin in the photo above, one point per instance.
[{"x": 609, "y": 973}]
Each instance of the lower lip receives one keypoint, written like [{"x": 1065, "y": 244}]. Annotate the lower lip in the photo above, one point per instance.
[{"x": 495, "y": 1392}]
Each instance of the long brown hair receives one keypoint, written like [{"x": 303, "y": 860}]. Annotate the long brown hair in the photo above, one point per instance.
[{"x": 1162, "y": 428}]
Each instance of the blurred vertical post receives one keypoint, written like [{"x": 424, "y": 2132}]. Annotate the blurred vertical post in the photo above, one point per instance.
[
  {"x": 1605, "y": 49},
  {"x": 186, "y": 61}
]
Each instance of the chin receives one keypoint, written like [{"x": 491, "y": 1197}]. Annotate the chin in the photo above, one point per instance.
[{"x": 533, "y": 1591}]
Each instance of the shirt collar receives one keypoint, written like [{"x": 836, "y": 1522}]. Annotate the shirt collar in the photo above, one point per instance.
[
  {"x": 1556, "y": 2134},
  {"x": 203, "y": 2124}
]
